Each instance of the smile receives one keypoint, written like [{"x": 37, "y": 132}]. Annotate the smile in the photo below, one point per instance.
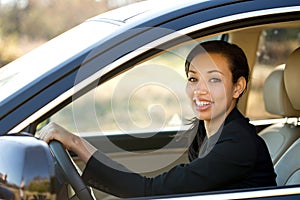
[{"x": 202, "y": 103}]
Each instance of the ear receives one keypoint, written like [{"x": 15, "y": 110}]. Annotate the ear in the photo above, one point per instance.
[{"x": 239, "y": 87}]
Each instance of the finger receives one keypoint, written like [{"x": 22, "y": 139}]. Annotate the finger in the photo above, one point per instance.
[{"x": 47, "y": 133}]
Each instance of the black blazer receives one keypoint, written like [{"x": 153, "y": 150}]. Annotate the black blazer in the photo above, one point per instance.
[{"x": 235, "y": 157}]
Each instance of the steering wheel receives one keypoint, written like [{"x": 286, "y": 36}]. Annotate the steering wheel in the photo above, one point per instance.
[{"x": 69, "y": 170}]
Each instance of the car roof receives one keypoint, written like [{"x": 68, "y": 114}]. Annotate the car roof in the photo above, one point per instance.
[{"x": 60, "y": 57}]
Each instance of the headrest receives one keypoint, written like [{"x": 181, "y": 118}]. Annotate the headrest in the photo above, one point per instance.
[
  {"x": 292, "y": 78},
  {"x": 275, "y": 97}
]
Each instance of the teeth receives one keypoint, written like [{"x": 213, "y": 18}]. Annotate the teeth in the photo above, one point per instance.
[{"x": 202, "y": 103}]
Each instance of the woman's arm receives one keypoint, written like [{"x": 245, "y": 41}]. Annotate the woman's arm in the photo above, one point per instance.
[{"x": 227, "y": 166}]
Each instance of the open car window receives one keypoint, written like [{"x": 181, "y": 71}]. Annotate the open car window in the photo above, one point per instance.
[
  {"x": 132, "y": 101},
  {"x": 149, "y": 97}
]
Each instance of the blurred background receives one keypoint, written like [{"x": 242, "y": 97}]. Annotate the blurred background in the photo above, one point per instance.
[{"x": 26, "y": 24}]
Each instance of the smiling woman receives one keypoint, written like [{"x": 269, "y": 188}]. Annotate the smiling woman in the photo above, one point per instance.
[
  {"x": 220, "y": 130},
  {"x": 214, "y": 85},
  {"x": 123, "y": 73}
]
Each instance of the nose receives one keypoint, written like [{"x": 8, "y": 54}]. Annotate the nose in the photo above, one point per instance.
[
  {"x": 198, "y": 92},
  {"x": 200, "y": 88}
]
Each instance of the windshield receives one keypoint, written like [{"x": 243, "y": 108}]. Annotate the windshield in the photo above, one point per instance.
[{"x": 24, "y": 70}]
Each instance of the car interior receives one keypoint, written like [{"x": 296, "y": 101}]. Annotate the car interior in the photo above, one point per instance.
[
  {"x": 279, "y": 136},
  {"x": 288, "y": 166},
  {"x": 272, "y": 102}
]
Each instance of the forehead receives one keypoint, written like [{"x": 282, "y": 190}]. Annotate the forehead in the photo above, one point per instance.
[{"x": 210, "y": 61}]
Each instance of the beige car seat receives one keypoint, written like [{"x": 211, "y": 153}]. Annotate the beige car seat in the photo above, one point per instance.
[
  {"x": 280, "y": 136},
  {"x": 288, "y": 166}
]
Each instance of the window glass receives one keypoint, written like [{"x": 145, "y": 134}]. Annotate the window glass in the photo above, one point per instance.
[
  {"x": 150, "y": 96},
  {"x": 275, "y": 45}
]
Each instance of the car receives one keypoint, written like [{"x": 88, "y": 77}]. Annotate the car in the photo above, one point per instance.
[{"x": 118, "y": 80}]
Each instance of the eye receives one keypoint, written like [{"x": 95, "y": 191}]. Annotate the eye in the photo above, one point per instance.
[
  {"x": 215, "y": 80},
  {"x": 192, "y": 79}
]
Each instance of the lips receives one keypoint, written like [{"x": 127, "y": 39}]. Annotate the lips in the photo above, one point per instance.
[{"x": 202, "y": 104}]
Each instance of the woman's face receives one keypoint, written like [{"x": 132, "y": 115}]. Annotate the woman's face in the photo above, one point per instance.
[{"x": 210, "y": 87}]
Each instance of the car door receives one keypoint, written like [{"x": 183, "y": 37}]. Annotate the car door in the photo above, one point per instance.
[{"x": 137, "y": 111}]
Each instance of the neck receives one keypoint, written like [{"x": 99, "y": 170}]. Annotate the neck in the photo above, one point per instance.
[{"x": 213, "y": 125}]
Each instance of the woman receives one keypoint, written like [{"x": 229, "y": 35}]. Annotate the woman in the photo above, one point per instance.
[{"x": 226, "y": 152}]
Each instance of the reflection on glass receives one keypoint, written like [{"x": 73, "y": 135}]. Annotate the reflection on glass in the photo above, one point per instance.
[{"x": 26, "y": 169}]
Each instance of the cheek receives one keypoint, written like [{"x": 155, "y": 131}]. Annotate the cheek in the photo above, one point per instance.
[
  {"x": 189, "y": 91},
  {"x": 218, "y": 91},
  {"x": 226, "y": 92}
]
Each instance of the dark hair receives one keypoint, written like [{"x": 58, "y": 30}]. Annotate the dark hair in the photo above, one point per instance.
[{"x": 235, "y": 56}]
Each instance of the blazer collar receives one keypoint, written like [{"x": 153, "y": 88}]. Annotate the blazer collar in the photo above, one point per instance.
[{"x": 233, "y": 115}]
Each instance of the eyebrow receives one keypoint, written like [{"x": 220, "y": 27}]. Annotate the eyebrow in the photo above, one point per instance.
[
  {"x": 213, "y": 71},
  {"x": 209, "y": 72},
  {"x": 192, "y": 71}
]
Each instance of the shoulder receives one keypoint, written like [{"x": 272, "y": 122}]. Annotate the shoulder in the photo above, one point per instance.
[
  {"x": 237, "y": 143},
  {"x": 238, "y": 136},
  {"x": 237, "y": 126}
]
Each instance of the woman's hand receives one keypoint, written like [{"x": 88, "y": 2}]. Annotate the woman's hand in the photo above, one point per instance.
[
  {"x": 72, "y": 142},
  {"x": 53, "y": 131}
]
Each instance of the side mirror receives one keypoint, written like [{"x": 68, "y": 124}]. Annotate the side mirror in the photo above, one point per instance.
[{"x": 26, "y": 168}]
